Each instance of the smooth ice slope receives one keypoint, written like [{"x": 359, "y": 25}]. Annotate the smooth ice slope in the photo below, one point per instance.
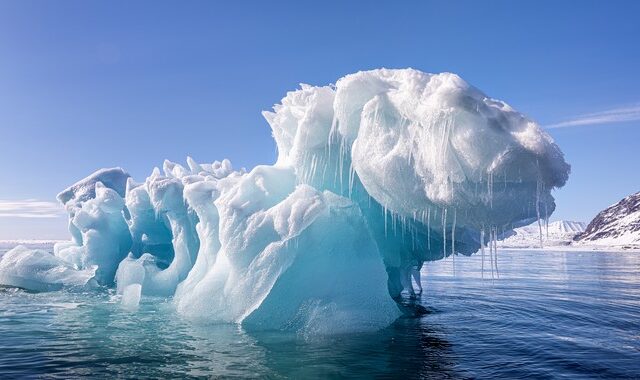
[{"x": 375, "y": 175}]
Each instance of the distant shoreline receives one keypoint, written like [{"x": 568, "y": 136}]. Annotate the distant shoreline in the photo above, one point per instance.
[
  {"x": 575, "y": 248},
  {"x": 32, "y": 241},
  {"x": 8, "y": 244}
]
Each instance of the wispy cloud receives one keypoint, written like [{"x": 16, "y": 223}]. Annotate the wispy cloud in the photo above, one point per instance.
[
  {"x": 614, "y": 115},
  {"x": 30, "y": 208}
]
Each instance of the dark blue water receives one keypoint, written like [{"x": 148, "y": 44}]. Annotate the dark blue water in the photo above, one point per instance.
[{"x": 549, "y": 315}]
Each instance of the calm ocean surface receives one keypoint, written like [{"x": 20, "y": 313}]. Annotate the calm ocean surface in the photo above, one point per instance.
[{"x": 549, "y": 315}]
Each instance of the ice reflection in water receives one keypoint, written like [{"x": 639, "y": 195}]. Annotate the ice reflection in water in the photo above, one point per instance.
[{"x": 551, "y": 314}]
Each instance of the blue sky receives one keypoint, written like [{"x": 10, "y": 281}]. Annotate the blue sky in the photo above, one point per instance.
[{"x": 90, "y": 84}]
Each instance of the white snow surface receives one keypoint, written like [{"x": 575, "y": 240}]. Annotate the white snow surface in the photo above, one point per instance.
[
  {"x": 556, "y": 234},
  {"x": 375, "y": 175},
  {"x": 6, "y": 245},
  {"x": 631, "y": 239},
  {"x": 39, "y": 270},
  {"x": 616, "y": 226}
]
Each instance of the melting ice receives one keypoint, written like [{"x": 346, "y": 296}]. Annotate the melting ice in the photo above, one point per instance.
[{"x": 375, "y": 175}]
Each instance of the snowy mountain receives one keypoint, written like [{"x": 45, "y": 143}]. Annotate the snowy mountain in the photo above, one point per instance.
[
  {"x": 557, "y": 233},
  {"x": 617, "y": 225}
]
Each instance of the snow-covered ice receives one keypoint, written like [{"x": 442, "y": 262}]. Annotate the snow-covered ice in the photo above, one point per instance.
[
  {"x": 39, "y": 270},
  {"x": 374, "y": 176}
]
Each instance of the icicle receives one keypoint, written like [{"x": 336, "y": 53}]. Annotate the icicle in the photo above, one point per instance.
[
  {"x": 491, "y": 250},
  {"x": 453, "y": 232},
  {"x": 341, "y": 164},
  {"x": 403, "y": 225},
  {"x": 444, "y": 233},
  {"x": 546, "y": 219},
  {"x": 490, "y": 188},
  {"x": 384, "y": 212},
  {"x": 482, "y": 250},
  {"x": 453, "y": 241},
  {"x": 396, "y": 224},
  {"x": 495, "y": 249},
  {"x": 393, "y": 223},
  {"x": 352, "y": 175},
  {"x": 314, "y": 167},
  {"x": 429, "y": 229},
  {"x": 326, "y": 165}
]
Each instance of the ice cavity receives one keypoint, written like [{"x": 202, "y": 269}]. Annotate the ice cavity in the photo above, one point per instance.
[{"x": 375, "y": 175}]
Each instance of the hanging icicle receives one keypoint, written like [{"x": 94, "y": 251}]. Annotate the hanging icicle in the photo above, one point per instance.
[
  {"x": 495, "y": 248},
  {"x": 453, "y": 239},
  {"x": 444, "y": 233},
  {"x": 482, "y": 251},
  {"x": 429, "y": 229},
  {"x": 491, "y": 250}
]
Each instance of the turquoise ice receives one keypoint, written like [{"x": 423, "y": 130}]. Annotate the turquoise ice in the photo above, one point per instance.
[{"x": 375, "y": 175}]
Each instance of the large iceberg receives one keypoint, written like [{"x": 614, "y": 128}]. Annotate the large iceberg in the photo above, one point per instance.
[{"x": 375, "y": 175}]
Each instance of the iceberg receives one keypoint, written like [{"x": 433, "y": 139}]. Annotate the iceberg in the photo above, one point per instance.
[
  {"x": 375, "y": 175},
  {"x": 40, "y": 271},
  {"x": 100, "y": 233}
]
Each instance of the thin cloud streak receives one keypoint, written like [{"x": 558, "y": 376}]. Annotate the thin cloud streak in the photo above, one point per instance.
[
  {"x": 30, "y": 208},
  {"x": 615, "y": 115}
]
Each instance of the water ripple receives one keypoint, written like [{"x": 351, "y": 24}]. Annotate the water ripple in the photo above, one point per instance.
[{"x": 550, "y": 315}]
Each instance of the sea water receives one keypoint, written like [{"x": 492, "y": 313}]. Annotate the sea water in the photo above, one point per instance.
[{"x": 549, "y": 314}]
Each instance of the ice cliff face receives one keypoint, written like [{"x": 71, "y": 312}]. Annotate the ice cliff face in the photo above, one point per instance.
[
  {"x": 617, "y": 225},
  {"x": 375, "y": 175}
]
